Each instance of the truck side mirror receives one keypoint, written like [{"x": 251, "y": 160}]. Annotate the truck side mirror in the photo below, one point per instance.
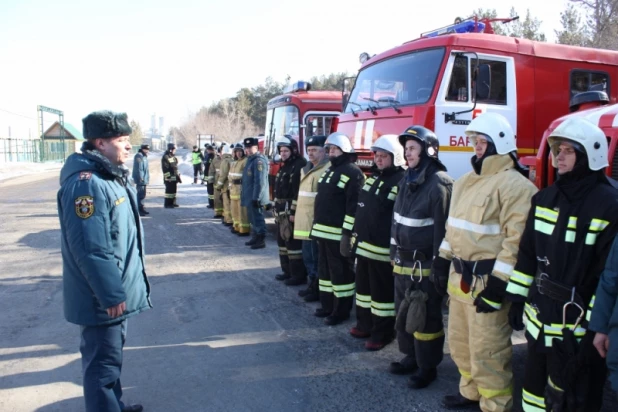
[{"x": 344, "y": 101}]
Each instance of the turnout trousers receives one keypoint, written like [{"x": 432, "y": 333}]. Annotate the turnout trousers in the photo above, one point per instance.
[
  {"x": 291, "y": 257},
  {"x": 170, "y": 193},
  {"x": 375, "y": 299},
  {"x": 536, "y": 378},
  {"x": 101, "y": 349},
  {"x": 218, "y": 203},
  {"x": 336, "y": 279},
  {"x": 227, "y": 206},
  {"x": 239, "y": 215},
  {"x": 211, "y": 194},
  {"x": 426, "y": 346},
  {"x": 480, "y": 345}
]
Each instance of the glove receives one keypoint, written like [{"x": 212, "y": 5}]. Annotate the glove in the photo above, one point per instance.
[
  {"x": 256, "y": 204},
  {"x": 490, "y": 299},
  {"x": 554, "y": 399},
  {"x": 178, "y": 179},
  {"x": 516, "y": 315},
  {"x": 345, "y": 246},
  {"x": 439, "y": 274}
]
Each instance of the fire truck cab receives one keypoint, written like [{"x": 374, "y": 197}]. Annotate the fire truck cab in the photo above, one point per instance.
[
  {"x": 445, "y": 78},
  {"x": 300, "y": 112}
]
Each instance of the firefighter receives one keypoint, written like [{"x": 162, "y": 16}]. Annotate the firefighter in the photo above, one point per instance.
[
  {"x": 141, "y": 176},
  {"x": 208, "y": 178},
  {"x": 419, "y": 221},
  {"x": 239, "y": 213},
  {"x": 222, "y": 184},
  {"x": 287, "y": 182},
  {"x": 569, "y": 232},
  {"x": 196, "y": 159},
  {"x": 335, "y": 210},
  {"x": 375, "y": 300},
  {"x": 488, "y": 211},
  {"x": 254, "y": 195},
  {"x": 171, "y": 176},
  {"x": 303, "y": 218},
  {"x": 215, "y": 167}
]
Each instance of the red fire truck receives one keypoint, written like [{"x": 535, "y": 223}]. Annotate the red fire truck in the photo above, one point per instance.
[
  {"x": 299, "y": 112},
  {"x": 445, "y": 78},
  {"x": 592, "y": 106}
]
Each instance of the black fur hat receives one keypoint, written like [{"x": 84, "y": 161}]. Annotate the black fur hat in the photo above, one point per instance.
[{"x": 105, "y": 124}]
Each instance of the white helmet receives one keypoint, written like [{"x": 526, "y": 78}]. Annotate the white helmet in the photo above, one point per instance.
[
  {"x": 226, "y": 149},
  {"x": 587, "y": 135},
  {"x": 390, "y": 143},
  {"x": 341, "y": 141},
  {"x": 497, "y": 128}
]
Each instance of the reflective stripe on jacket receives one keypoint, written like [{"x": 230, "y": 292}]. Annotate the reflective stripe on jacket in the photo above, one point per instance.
[
  {"x": 224, "y": 170},
  {"x": 307, "y": 192},
  {"x": 235, "y": 174}
]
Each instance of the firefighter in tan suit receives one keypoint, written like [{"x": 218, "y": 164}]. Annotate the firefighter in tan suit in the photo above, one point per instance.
[
  {"x": 241, "y": 227},
  {"x": 222, "y": 184},
  {"x": 215, "y": 167},
  {"x": 489, "y": 208}
]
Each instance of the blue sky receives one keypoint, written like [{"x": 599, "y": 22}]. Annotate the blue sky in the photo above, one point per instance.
[{"x": 170, "y": 58}]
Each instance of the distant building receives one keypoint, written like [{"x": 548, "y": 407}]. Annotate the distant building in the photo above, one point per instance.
[{"x": 59, "y": 142}]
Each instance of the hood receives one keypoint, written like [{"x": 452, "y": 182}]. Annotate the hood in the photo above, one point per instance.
[{"x": 90, "y": 161}]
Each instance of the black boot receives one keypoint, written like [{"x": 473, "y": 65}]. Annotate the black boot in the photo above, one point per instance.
[
  {"x": 457, "y": 402},
  {"x": 405, "y": 366},
  {"x": 296, "y": 280},
  {"x": 259, "y": 243},
  {"x": 312, "y": 297},
  {"x": 422, "y": 378},
  {"x": 251, "y": 241},
  {"x": 142, "y": 211},
  {"x": 283, "y": 276}
]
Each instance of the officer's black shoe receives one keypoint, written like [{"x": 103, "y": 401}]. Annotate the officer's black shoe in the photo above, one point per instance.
[
  {"x": 457, "y": 402},
  {"x": 208, "y": 207},
  {"x": 405, "y": 366},
  {"x": 321, "y": 313},
  {"x": 142, "y": 213},
  {"x": 228, "y": 224},
  {"x": 233, "y": 230},
  {"x": 251, "y": 241},
  {"x": 312, "y": 297},
  {"x": 169, "y": 206},
  {"x": 304, "y": 292},
  {"x": 283, "y": 276},
  {"x": 259, "y": 243},
  {"x": 295, "y": 281},
  {"x": 132, "y": 408},
  {"x": 333, "y": 320},
  {"x": 175, "y": 205},
  {"x": 422, "y": 378}
]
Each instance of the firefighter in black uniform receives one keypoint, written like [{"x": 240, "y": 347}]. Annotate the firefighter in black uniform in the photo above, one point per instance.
[
  {"x": 208, "y": 157},
  {"x": 563, "y": 249},
  {"x": 286, "y": 187},
  {"x": 419, "y": 221},
  {"x": 335, "y": 210},
  {"x": 375, "y": 300},
  {"x": 171, "y": 177}
]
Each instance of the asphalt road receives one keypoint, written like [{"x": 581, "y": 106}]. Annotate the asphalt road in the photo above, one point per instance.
[{"x": 223, "y": 334}]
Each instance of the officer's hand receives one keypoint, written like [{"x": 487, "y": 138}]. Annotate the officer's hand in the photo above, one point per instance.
[
  {"x": 601, "y": 343},
  {"x": 256, "y": 204},
  {"x": 292, "y": 218},
  {"x": 117, "y": 311},
  {"x": 179, "y": 179},
  {"x": 345, "y": 246},
  {"x": 516, "y": 315},
  {"x": 440, "y": 269}
]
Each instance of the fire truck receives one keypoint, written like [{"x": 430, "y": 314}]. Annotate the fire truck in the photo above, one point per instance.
[
  {"x": 594, "y": 107},
  {"x": 445, "y": 78},
  {"x": 300, "y": 112}
]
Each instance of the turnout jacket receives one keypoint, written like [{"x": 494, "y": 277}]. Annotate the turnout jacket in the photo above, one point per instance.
[
  {"x": 235, "y": 177},
  {"x": 102, "y": 241},
  {"x": 207, "y": 162},
  {"x": 568, "y": 236},
  {"x": 255, "y": 180},
  {"x": 335, "y": 203},
  {"x": 215, "y": 170},
  {"x": 169, "y": 166},
  {"x": 419, "y": 218},
  {"x": 222, "y": 182},
  {"x": 287, "y": 183},
  {"x": 307, "y": 193},
  {"x": 374, "y": 213},
  {"x": 141, "y": 174},
  {"x": 486, "y": 219}
]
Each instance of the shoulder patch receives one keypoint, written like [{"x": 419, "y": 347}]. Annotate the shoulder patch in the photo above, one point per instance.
[
  {"x": 85, "y": 175},
  {"x": 84, "y": 206},
  {"x": 259, "y": 166}
]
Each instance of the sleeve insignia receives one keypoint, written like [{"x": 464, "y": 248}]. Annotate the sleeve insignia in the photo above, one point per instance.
[
  {"x": 84, "y": 206},
  {"x": 85, "y": 175},
  {"x": 259, "y": 166}
]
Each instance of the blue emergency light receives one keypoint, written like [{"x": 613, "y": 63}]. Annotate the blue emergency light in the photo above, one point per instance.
[
  {"x": 467, "y": 26},
  {"x": 298, "y": 86}
]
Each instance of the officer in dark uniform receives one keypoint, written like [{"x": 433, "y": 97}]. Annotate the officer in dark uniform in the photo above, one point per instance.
[
  {"x": 141, "y": 176},
  {"x": 171, "y": 176},
  {"x": 287, "y": 183},
  {"x": 254, "y": 194},
  {"x": 209, "y": 154}
]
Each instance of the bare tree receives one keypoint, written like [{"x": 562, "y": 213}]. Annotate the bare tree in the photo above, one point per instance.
[
  {"x": 602, "y": 19},
  {"x": 573, "y": 32}
]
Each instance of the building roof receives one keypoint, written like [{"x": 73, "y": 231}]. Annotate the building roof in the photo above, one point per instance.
[{"x": 70, "y": 131}]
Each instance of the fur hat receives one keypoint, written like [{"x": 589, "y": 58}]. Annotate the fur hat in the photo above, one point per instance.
[
  {"x": 105, "y": 124},
  {"x": 145, "y": 147},
  {"x": 250, "y": 141}
]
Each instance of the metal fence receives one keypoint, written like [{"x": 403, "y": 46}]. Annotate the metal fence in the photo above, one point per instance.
[{"x": 33, "y": 150}]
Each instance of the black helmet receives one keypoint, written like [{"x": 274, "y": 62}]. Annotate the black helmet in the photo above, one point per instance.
[
  {"x": 209, "y": 147},
  {"x": 289, "y": 142},
  {"x": 171, "y": 146},
  {"x": 317, "y": 140},
  {"x": 424, "y": 136}
]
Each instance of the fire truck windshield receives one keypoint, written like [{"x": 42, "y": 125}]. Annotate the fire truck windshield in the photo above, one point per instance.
[
  {"x": 404, "y": 80},
  {"x": 280, "y": 121}
]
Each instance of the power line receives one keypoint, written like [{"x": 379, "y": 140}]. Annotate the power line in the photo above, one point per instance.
[{"x": 17, "y": 114}]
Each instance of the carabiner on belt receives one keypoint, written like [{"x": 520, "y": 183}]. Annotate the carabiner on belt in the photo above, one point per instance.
[
  {"x": 420, "y": 270},
  {"x": 566, "y": 306},
  {"x": 475, "y": 277}
]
